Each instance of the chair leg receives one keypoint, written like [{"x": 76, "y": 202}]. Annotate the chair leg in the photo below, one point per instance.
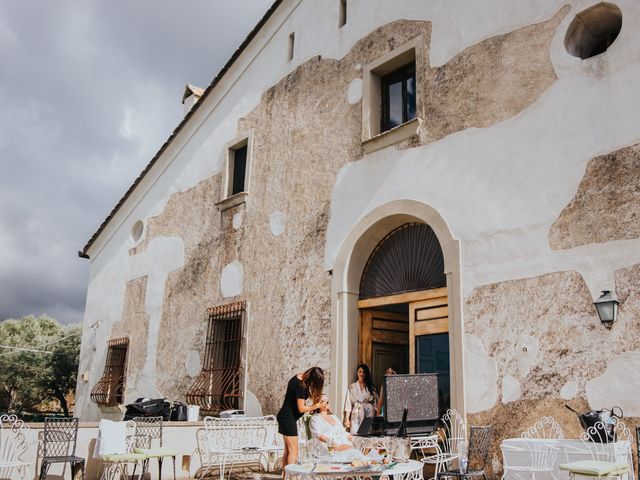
[
  {"x": 174, "y": 467},
  {"x": 160, "y": 459},
  {"x": 43, "y": 470}
]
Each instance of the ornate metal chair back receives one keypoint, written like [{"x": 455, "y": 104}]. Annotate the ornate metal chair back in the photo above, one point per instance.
[
  {"x": 59, "y": 437},
  {"x": 455, "y": 432},
  {"x": 13, "y": 442},
  {"x": 148, "y": 429},
  {"x": 602, "y": 442},
  {"x": 542, "y": 439}
]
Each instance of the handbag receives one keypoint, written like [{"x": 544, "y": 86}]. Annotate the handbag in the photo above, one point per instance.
[
  {"x": 157, "y": 407},
  {"x": 179, "y": 412},
  {"x": 599, "y": 424}
]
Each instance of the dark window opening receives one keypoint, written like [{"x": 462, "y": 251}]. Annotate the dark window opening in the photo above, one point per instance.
[
  {"x": 109, "y": 391},
  {"x": 343, "y": 13},
  {"x": 218, "y": 386},
  {"x": 398, "y": 97},
  {"x": 593, "y": 30},
  {"x": 239, "y": 170}
]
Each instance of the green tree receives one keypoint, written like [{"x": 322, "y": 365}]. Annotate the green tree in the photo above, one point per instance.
[
  {"x": 28, "y": 373},
  {"x": 63, "y": 368}
]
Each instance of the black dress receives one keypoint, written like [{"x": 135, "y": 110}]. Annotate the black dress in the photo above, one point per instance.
[{"x": 289, "y": 413}]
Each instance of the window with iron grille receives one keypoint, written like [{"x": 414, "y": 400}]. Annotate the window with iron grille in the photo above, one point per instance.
[
  {"x": 109, "y": 391},
  {"x": 218, "y": 386}
]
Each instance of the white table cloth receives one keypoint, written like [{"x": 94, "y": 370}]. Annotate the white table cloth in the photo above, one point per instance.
[
  {"x": 411, "y": 470},
  {"x": 517, "y": 454}
]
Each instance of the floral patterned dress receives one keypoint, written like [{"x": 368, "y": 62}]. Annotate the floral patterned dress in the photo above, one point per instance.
[{"x": 360, "y": 403}]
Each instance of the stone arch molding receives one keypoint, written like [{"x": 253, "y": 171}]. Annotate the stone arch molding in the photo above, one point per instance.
[{"x": 348, "y": 267}]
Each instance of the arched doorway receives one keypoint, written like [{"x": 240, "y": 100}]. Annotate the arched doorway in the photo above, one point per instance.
[
  {"x": 354, "y": 293},
  {"x": 403, "y": 307}
]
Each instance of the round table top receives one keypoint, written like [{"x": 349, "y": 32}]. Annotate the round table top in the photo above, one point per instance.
[{"x": 399, "y": 469}]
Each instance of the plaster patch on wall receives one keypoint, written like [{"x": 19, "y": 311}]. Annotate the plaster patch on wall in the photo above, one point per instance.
[
  {"x": 569, "y": 390},
  {"x": 354, "y": 94},
  {"x": 481, "y": 376},
  {"x": 511, "y": 390},
  {"x": 277, "y": 223},
  {"x": 606, "y": 205},
  {"x": 526, "y": 353},
  {"x": 231, "y": 279},
  {"x": 236, "y": 221},
  {"x": 192, "y": 363},
  {"x": 618, "y": 385}
]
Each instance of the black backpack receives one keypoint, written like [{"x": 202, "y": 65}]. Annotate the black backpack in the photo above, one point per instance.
[{"x": 157, "y": 407}]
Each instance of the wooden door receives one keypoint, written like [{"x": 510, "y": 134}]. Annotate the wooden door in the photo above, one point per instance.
[
  {"x": 385, "y": 355},
  {"x": 386, "y": 334}
]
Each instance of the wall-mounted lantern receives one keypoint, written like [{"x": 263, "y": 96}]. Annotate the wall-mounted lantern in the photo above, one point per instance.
[{"x": 607, "y": 306}]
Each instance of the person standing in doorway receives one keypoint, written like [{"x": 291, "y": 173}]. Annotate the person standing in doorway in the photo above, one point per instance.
[
  {"x": 301, "y": 386},
  {"x": 361, "y": 400}
]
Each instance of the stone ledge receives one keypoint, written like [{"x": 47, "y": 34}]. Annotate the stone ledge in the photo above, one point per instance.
[
  {"x": 232, "y": 201},
  {"x": 393, "y": 136}
]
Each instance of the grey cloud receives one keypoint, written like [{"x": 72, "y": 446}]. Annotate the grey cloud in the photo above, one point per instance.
[{"x": 72, "y": 73}]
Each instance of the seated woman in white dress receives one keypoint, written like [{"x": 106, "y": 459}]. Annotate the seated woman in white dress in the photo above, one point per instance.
[{"x": 327, "y": 428}]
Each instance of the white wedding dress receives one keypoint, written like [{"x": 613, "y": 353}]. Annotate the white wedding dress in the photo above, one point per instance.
[{"x": 337, "y": 435}]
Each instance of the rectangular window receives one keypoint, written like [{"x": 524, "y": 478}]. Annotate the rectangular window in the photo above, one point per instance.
[
  {"x": 239, "y": 170},
  {"x": 342, "y": 19},
  {"x": 219, "y": 384},
  {"x": 398, "y": 90},
  {"x": 292, "y": 41},
  {"x": 109, "y": 391}
]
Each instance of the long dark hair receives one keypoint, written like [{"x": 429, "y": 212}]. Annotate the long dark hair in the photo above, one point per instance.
[
  {"x": 314, "y": 381},
  {"x": 368, "y": 380}
]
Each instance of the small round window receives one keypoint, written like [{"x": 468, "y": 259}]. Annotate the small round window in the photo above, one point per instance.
[
  {"x": 136, "y": 231},
  {"x": 593, "y": 30}
]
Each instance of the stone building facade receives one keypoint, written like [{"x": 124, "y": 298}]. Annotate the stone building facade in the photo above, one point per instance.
[{"x": 522, "y": 157}]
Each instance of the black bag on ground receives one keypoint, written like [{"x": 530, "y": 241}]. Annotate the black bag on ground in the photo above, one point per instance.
[
  {"x": 602, "y": 432},
  {"x": 157, "y": 407},
  {"x": 178, "y": 412}
]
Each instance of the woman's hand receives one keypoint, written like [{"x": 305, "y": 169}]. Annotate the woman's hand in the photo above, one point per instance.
[{"x": 342, "y": 447}]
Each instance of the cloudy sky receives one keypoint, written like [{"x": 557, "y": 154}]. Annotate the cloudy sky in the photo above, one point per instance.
[{"x": 89, "y": 91}]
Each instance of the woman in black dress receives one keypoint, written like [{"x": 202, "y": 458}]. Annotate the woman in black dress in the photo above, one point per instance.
[{"x": 299, "y": 388}]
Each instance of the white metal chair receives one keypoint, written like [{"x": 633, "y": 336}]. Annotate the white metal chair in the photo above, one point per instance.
[
  {"x": 540, "y": 443},
  {"x": 13, "y": 447},
  {"x": 424, "y": 446},
  {"x": 250, "y": 443},
  {"x": 610, "y": 449},
  {"x": 118, "y": 451},
  {"x": 453, "y": 438}
]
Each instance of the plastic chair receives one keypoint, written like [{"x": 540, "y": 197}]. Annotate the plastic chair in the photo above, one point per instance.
[
  {"x": 148, "y": 429},
  {"x": 600, "y": 441},
  {"x": 59, "y": 445},
  {"x": 453, "y": 436},
  {"x": 540, "y": 441},
  {"x": 479, "y": 443}
]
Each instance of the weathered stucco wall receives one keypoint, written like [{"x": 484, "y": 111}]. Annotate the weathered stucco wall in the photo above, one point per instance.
[
  {"x": 548, "y": 347},
  {"x": 606, "y": 205},
  {"x": 507, "y": 136}
]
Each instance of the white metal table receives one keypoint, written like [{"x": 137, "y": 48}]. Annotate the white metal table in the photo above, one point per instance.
[{"x": 410, "y": 470}]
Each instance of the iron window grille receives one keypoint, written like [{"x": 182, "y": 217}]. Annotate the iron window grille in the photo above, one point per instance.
[
  {"x": 109, "y": 391},
  {"x": 218, "y": 386}
]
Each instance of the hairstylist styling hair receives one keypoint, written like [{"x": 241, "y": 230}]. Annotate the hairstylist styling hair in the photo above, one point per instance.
[{"x": 299, "y": 388}]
